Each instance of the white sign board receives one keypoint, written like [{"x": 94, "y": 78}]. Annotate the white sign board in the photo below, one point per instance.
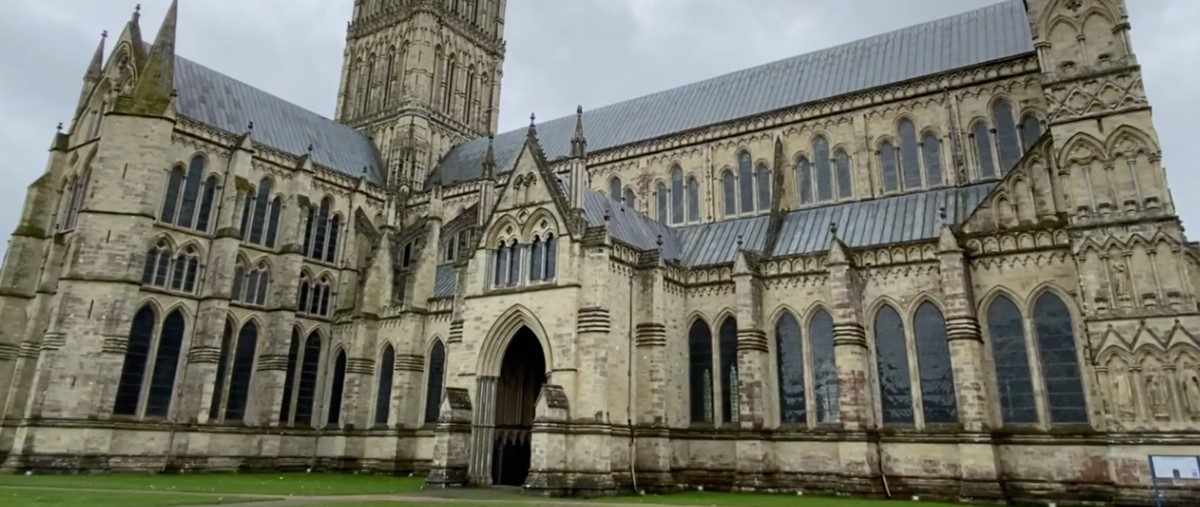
[{"x": 1176, "y": 467}]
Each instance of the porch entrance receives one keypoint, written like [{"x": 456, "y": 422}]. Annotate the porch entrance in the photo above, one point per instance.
[{"x": 522, "y": 374}]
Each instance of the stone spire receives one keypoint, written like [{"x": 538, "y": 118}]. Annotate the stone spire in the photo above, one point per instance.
[
  {"x": 578, "y": 143},
  {"x": 97, "y": 65},
  {"x": 489, "y": 160},
  {"x": 153, "y": 92},
  {"x": 532, "y": 132}
]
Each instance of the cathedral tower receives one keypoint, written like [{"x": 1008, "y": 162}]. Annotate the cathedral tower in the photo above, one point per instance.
[{"x": 421, "y": 76}]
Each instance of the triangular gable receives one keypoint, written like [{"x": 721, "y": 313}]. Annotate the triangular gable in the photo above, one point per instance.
[
  {"x": 531, "y": 184},
  {"x": 1023, "y": 198}
]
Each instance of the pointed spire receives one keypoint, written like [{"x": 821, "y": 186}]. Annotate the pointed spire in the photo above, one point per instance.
[
  {"x": 155, "y": 89},
  {"x": 578, "y": 143},
  {"x": 489, "y": 160},
  {"x": 532, "y": 132},
  {"x": 97, "y": 65},
  {"x": 137, "y": 14}
]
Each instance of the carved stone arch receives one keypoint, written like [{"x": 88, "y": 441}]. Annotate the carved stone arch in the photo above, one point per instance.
[
  {"x": 722, "y": 316},
  {"x": 164, "y": 237},
  {"x": 877, "y": 144},
  {"x": 495, "y": 343},
  {"x": 184, "y": 310},
  {"x": 995, "y": 293},
  {"x": 252, "y": 318},
  {"x": 697, "y": 316},
  {"x": 430, "y": 343},
  {"x": 533, "y": 226},
  {"x": 780, "y": 311},
  {"x": 872, "y": 310},
  {"x": 1181, "y": 354},
  {"x": 499, "y": 231},
  {"x": 1127, "y": 140},
  {"x": 1067, "y": 299},
  {"x": 1082, "y": 149},
  {"x": 922, "y": 297},
  {"x": 1107, "y": 356},
  {"x": 154, "y": 304}
]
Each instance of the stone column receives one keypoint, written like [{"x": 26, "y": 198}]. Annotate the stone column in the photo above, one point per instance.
[
  {"x": 451, "y": 447},
  {"x": 754, "y": 456},
  {"x": 651, "y": 435}
]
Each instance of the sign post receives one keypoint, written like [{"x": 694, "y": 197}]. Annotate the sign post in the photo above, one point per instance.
[{"x": 1174, "y": 468}]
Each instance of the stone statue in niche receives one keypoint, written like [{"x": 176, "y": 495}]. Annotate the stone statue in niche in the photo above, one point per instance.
[
  {"x": 1159, "y": 398},
  {"x": 1123, "y": 396},
  {"x": 1121, "y": 281},
  {"x": 1191, "y": 391}
]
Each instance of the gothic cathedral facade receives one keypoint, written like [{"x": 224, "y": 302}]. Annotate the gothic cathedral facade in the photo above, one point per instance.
[{"x": 942, "y": 261}]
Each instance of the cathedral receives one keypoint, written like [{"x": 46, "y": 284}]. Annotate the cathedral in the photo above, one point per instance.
[{"x": 942, "y": 261}]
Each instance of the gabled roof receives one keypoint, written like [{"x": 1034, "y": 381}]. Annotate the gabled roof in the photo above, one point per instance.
[
  {"x": 993, "y": 33},
  {"x": 224, "y": 103}
]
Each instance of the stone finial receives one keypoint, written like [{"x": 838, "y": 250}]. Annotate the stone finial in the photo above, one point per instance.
[
  {"x": 137, "y": 13},
  {"x": 942, "y": 212},
  {"x": 607, "y": 215},
  {"x": 250, "y": 127},
  {"x": 310, "y": 147},
  {"x": 489, "y": 160},
  {"x": 659, "y": 242},
  {"x": 532, "y": 125},
  {"x": 60, "y": 125},
  {"x": 578, "y": 143},
  {"x": 833, "y": 230},
  {"x": 739, "y": 242}
]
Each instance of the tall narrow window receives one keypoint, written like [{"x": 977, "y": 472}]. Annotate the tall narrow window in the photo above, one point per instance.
[
  {"x": 825, "y": 377},
  {"x": 551, "y": 257},
  {"x": 763, "y": 182},
  {"x": 337, "y": 385},
  {"x": 629, "y": 199},
  {"x": 1007, "y": 143},
  {"x": 335, "y": 229},
  {"x": 306, "y": 389},
  {"x": 501, "y": 265},
  {"x": 320, "y": 230},
  {"x": 289, "y": 378},
  {"x": 1060, "y": 365},
  {"x": 1031, "y": 131},
  {"x": 729, "y": 193},
  {"x": 891, "y": 357},
  {"x": 536, "y": 256},
  {"x": 433, "y": 383},
  {"x": 137, "y": 350},
  {"x": 514, "y": 263},
  {"x": 983, "y": 150},
  {"x": 746, "y": 182},
  {"x": 933, "y": 359},
  {"x": 729, "y": 374},
  {"x": 309, "y": 225},
  {"x": 241, "y": 373},
  {"x": 931, "y": 151},
  {"x": 191, "y": 191},
  {"x": 206, "y": 204},
  {"x": 693, "y": 200},
  {"x": 614, "y": 188},
  {"x": 214, "y": 406},
  {"x": 910, "y": 161},
  {"x": 383, "y": 393},
  {"x": 845, "y": 181},
  {"x": 804, "y": 181},
  {"x": 824, "y": 174},
  {"x": 171, "y": 200},
  {"x": 677, "y": 216},
  {"x": 273, "y": 222},
  {"x": 166, "y": 361},
  {"x": 700, "y": 381},
  {"x": 887, "y": 167},
  {"x": 1010, "y": 356},
  {"x": 661, "y": 201},
  {"x": 789, "y": 363}
]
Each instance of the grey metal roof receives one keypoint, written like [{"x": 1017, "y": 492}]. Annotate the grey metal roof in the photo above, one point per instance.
[
  {"x": 445, "y": 281},
  {"x": 993, "y": 33},
  {"x": 225, "y": 103},
  {"x": 717, "y": 242},
  {"x": 630, "y": 226}
]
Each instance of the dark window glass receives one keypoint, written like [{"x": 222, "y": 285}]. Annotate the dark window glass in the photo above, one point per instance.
[
  {"x": 700, "y": 372},
  {"x": 887, "y": 166},
  {"x": 239, "y": 275},
  {"x": 308, "y": 229},
  {"x": 148, "y": 266},
  {"x": 693, "y": 200},
  {"x": 845, "y": 182},
  {"x": 324, "y": 310},
  {"x": 214, "y": 407},
  {"x": 206, "y": 204},
  {"x": 242, "y": 370},
  {"x": 289, "y": 378},
  {"x": 501, "y": 263},
  {"x": 306, "y": 390},
  {"x": 535, "y": 260},
  {"x": 614, "y": 189},
  {"x": 910, "y": 162},
  {"x": 1012, "y": 362},
  {"x": 677, "y": 215},
  {"x": 983, "y": 151},
  {"x": 302, "y": 303},
  {"x": 804, "y": 181},
  {"x": 180, "y": 269},
  {"x": 1031, "y": 131},
  {"x": 273, "y": 222},
  {"x": 191, "y": 191},
  {"x": 933, "y": 359},
  {"x": 247, "y": 214},
  {"x": 825, "y": 376},
  {"x": 789, "y": 362},
  {"x": 166, "y": 360},
  {"x": 824, "y": 172},
  {"x": 335, "y": 228},
  {"x": 433, "y": 384},
  {"x": 892, "y": 359},
  {"x": 163, "y": 269},
  {"x": 1060, "y": 364},
  {"x": 746, "y": 182},
  {"x": 931, "y": 150},
  {"x": 629, "y": 199},
  {"x": 134, "y": 368},
  {"x": 729, "y": 192},
  {"x": 193, "y": 270},
  {"x": 320, "y": 231},
  {"x": 171, "y": 201},
  {"x": 729, "y": 373},
  {"x": 383, "y": 395},
  {"x": 551, "y": 257},
  {"x": 763, "y": 176},
  {"x": 514, "y": 263},
  {"x": 336, "y": 386},
  {"x": 661, "y": 199},
  {"x": 1006, "y": 135}
]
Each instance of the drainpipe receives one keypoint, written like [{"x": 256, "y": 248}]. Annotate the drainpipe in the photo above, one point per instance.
[{"x": 629, "y": 397}]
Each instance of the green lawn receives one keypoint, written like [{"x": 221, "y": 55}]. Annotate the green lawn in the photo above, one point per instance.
[
  {"x": 59, "y": 497},
  {"x": 285, "y": 484}
]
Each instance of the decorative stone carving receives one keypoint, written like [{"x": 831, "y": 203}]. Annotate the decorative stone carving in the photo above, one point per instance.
[
  {"x": 1123, "y": 396},
  {"x": 1191, "y": 391},
  {"x": 1159, "y": 397}
]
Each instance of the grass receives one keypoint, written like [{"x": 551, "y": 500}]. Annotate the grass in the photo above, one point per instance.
[
  {"x": 61, "y": 497},
  {"x": 282, "y": 484}
]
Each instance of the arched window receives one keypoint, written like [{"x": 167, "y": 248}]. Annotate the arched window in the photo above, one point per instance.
[
  {"x": 302, "y": 294},
  {"x": 845, "y": 181},
  {"x": 891, "y": 357},
  {"x": 629, "y": 199},
  {"x": 306, "y": 388},
  {"x": 677, "y": 211},
  {"x": 746, "y": 182},
  {"x": 536, "y": 256},
  {"x": 309, "y": 224},
  {"x": 206, "y": 204},
  {"x": 614, "y": 188},
  {"x": 166, "y": 361},
  {"x": 983, "y": 150},
  {"x": 514, "y": 263},
  {"x": 1031, "y": 131},
  {"x": 1060, "y": 365},
  {"x": 289, "y": 378},
  {"x": 434, "y": 381},
  {"x": 336, "y": 387},
  {"x": 335, "y": 229},
  {"x": 1007, "y": 144},
  {"x": 933, "y": 360},
  {"x": 241, "y": 372},
  {"x": 887, "y": 167},
  {"x": 661, "y": 201},
  {"x": 191, "y": 191},
  {"x": 247, "y": 198},
  {"x": 804, "y": 181},
  {"x": 273, "y": 222},
  {"x": 931, "y": 151},
  {"x": 727, "y": 341},
  {"x": 729, "y": 193},
  {"x": 693, "y": 200},
  {"x": 171, "y": 200},
  {"x": 320, "y": 231},
  {"x": 214, "y": 406},
  {"x": 789, "y": 363},
  {"x": 500, "y": 269},
  {"x": 763, "y": 181},
  {"x": 700, "y": 381},
  {"x": 1010, "y": 356},
  {"x": 470, "y": 94},
  {"x": 910, "y": 161},
  {"x": 321, "y": 298},
  {"x": 825, "y": 378},
  {"x": 383, "y": 393},
  {"x": 551, "y": 257},
  {"x": 824, "y": 174},
  {"x": 133, "y": 371},
  {"x": 156, "y": 270}
]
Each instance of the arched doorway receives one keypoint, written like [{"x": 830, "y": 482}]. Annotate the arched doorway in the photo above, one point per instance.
[{"x": 522, "y": 374}]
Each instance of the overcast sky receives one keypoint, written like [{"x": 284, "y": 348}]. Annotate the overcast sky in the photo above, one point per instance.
[{"x": 560, "y": 53}]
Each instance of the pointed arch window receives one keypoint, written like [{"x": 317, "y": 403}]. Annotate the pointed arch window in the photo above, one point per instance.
[
  {"x": 1011, "y": 359},
  {"x": 1060, "y": 364},
  {"x": 661, "y": 201},
  {"x": 383, "y": 393},
  {"x": 470, "y": 98},
  {"x": 306, "y": 386},
  {"x": 629, "y": 199},
  {"x": 983, "y": 150},
  {"x": 302, "y": 294},
  {"x": 166, "y": 363},
  {"x": 321, "y": 230},
  {"x": 887, "y": 167},
  {"x": 273, "y": 222},
  {"x": 693, "y": 200},
  {"x": 335, "y": 229},
  {"x": 746, "y": 182},
  {"x": 536, "y": 258},
  {"x": 551, "y": 263},
  {"x": 804, "y": 188},
  {"x": 434, "y": 381},
  {"x": 133, "y": 370},
  {"x": 614, "y": 188},
  {"x": 789, "y": 364},
  {"x": 700, "y": 381},
  {"x": 183, "y": 197},
  {"x": 824, "y": 174},
  {"x": 845, "y": 182},
  {"x": 336, "y": 388},
  {"x": 214, "y": 406},
  {"x": 931, "y": 152},
  {"x": 910, "y": 161},
  {"x": 729, "y": 193},
  {"x": 891, "y": 358},
  {"x": 310, "y": 223},
  {"x": 825, "y": 378},
  {"x": 933, "y": 360},
  {"x": 250, "y": 286},
  {"x": 206, "y": 204},
  {"x": 289, "y": 378},
  {"x": 241, "y": 372},
  {"x": 514, "y": 263},
  {"x": 763, "y": 181},
  {"x": 677, "y": 210},
  {"x": 500, "y": 269},
  {"x": 159, "y": 360},
  {"x": 727, "y": 343},
  {"x": 1007, "y": 143},
  {"x": 170, "y": 211},
  {"x": 165, "y": 270},
  {"x": 1031, "y": 131},
  {"x": 74, "y": 195}
]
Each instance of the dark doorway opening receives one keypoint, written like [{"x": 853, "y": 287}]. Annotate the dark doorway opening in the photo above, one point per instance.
[{"x": 522, "y": 375}]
